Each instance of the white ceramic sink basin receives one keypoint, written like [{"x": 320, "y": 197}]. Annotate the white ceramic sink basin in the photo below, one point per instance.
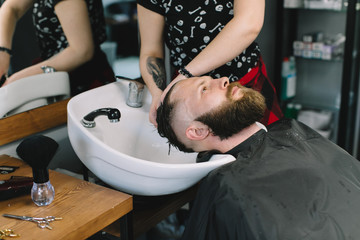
[{"x": 130, "y": 155}]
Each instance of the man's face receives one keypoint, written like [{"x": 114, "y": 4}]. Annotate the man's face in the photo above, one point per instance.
[
  {"x": 202, "y": 94},
  {"x": 225, "y": 108}
]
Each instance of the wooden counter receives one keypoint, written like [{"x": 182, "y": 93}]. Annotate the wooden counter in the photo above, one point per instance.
[{"x": 86, "y": 208}]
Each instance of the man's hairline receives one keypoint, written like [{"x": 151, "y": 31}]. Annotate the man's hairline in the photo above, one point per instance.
[
  {"x": 167, "y": 95},
  {"x": 166, "y": 101}
]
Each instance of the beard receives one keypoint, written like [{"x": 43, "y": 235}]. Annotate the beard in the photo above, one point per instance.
[{"x": 234, "y": 115}]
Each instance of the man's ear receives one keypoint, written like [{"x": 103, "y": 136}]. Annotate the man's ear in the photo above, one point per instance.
[{"x": 197, "y": 131}]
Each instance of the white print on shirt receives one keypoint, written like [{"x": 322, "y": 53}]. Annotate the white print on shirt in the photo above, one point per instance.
[
  {"x": 219, "y": 27},
  {"x": 192, "y": 12},
  {"x": 192, "y": 31}
]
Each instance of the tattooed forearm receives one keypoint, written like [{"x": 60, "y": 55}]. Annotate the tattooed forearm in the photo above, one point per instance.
[{"x": 156, "y": 68}]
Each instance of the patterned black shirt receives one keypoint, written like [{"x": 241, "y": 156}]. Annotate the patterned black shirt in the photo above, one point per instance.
[
  {"x": 49, "y": 32},
  {"x": 192, "y": 24}
]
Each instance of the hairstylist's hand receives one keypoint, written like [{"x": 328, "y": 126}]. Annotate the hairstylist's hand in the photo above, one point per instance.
[{"x": 153, "y": 107}]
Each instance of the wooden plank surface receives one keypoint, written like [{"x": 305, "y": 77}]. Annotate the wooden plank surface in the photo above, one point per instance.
[{"x": 86, "y": 208}]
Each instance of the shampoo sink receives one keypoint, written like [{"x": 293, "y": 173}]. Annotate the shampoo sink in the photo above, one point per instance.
[{"x": 130, "y": 155}]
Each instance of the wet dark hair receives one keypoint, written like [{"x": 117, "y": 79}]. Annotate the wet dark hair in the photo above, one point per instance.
[{"x": 164, "y": 117}]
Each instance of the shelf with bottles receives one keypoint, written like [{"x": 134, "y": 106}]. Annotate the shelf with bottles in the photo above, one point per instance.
[
  {"x": 318, "y": 46},
  {"x": 330, "y": 5}
]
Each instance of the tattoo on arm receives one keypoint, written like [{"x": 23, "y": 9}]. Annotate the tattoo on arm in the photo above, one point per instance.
[{"x": 156, "y": 68}]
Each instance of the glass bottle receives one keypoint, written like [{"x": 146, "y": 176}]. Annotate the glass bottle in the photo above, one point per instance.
[{"x": 42, "y": 194}]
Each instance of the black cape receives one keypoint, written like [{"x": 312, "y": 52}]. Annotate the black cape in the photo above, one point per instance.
[{"x": 287, "y": 183}]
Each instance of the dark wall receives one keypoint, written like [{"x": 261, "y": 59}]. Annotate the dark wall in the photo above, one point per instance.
[{"x": 267, "y": 37}]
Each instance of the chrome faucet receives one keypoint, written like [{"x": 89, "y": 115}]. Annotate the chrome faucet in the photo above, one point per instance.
[
  {"x": 136, "y": 89},
  {"x": 113, "y": 115},
  {"x": 135, "y": 95}
]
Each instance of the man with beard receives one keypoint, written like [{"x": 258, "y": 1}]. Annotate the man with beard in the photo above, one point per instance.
[{"x": 288, "y": 182}]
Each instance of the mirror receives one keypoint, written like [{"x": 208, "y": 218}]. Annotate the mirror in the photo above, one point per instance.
[
  {"x": 121, "y": 20},
  {"x": 40, "y": 119},
  {"x": 24, "y": 54}
]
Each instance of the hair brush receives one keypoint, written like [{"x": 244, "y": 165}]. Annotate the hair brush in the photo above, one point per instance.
[{"x": 37, "y": 151}]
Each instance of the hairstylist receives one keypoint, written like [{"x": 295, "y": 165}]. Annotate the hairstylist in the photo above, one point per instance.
[
  {"x": 69, "y": 34},
  {"x": 208, "y": 37}
]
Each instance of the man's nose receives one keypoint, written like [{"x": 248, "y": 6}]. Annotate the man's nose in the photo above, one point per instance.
[{"x": 224, "y": 82}]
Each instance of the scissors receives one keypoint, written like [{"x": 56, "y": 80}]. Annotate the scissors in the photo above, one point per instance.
[{"x": 41, "y": 222}]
